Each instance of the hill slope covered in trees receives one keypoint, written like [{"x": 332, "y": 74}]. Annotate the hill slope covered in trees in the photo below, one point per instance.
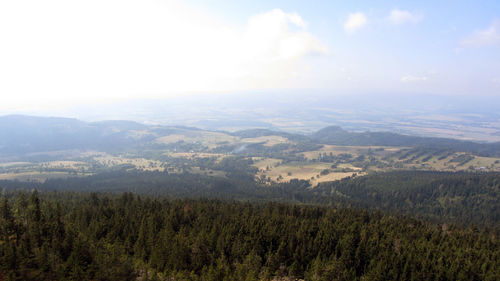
[{"x": 72, "y": 236}]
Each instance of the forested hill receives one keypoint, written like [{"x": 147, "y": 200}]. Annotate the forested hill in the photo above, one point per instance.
[
  {"x": 21, "y": 134},
  {"x": 465, "y": 198},
  {"x": 442, "y": 197},
  {"x": 338, "y": 136},
  {"x": 74, "y": 236},
  {"x": 28, "y": 134}
]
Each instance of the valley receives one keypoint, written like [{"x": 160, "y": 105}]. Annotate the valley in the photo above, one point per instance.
[{"x": 276, "y": 156}]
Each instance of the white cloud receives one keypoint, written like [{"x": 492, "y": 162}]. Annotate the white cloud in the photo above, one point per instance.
[
  {"x": 295, "y": 19},
  {"x": 485, "y": 37},
  {"x": 355, "y": 21},
  {"x": 268, "y": 36},
  {"x": 59, "y": 51},
  {"x": 411, "y": 78},
  {"x": 398, "y": 17}
]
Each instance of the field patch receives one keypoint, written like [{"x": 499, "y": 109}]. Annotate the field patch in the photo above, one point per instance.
[
  {"x": 208, "y": 139},
  {"x": 315, "y": 172},
  {"x": 138, "y": 163},
  {"x": 34, "y": 176},
  {"x": 267, "y": 140},
  {"x": 265, "y": 163}
]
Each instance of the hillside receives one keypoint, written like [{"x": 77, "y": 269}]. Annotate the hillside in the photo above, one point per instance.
[
  {"x": 75, "y": 236},
  {"x": 26, "y": 134},
  {"x": 336, "y": 135}
]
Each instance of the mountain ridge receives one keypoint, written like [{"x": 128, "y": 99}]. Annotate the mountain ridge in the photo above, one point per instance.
[{"x": 24, "y": 133}]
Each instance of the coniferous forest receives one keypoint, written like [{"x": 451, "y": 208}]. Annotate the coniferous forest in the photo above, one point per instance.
[{"x": 91, "y": 236}]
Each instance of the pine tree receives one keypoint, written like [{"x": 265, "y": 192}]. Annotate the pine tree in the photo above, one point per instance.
[{"x": 7, "y": 223}]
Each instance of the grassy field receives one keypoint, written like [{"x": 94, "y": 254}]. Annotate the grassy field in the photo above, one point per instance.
[
  {"x": 448, "y": 163},
  {"x": 266, "y": 140},
  {"x": 34, "y": 176},
  {"x": 208, "y": 139},
  {"x": 27, "y": 171},
  {"x": 263, "y": 163},
  {"x": 316, "y": 172},
  {"x": 211, "y": 140},
  {"x": 354, "y": 150}
]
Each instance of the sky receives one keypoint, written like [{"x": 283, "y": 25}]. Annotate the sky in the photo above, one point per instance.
[{"x": 57, "y": 53}]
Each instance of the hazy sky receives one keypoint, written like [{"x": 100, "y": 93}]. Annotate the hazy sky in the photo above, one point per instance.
[{"x": 53, "y": 53}]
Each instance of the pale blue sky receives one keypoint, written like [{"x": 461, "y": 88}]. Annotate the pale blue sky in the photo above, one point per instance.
[
  {"x": 432, "y": 47},
  {"x": 59, "y": 52}
]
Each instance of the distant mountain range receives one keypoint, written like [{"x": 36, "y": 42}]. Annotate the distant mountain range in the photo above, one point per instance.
[
  {"x": 21, "y": 134},
  {"x": 305, "y": 112}
]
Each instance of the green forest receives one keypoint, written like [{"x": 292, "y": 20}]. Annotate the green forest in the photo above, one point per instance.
[
  {"x": 98, "y": 236},
  {"x": 442, "y": 197}
]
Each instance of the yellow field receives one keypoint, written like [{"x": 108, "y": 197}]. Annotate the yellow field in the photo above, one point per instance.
[
  {"x": 354, "y": 150},
  {"x": 486, "y": 162},
  {"x": 33, "y": 176},
  {"x": 266, "y": 140},
  {"x": 312, "y": 172}
]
